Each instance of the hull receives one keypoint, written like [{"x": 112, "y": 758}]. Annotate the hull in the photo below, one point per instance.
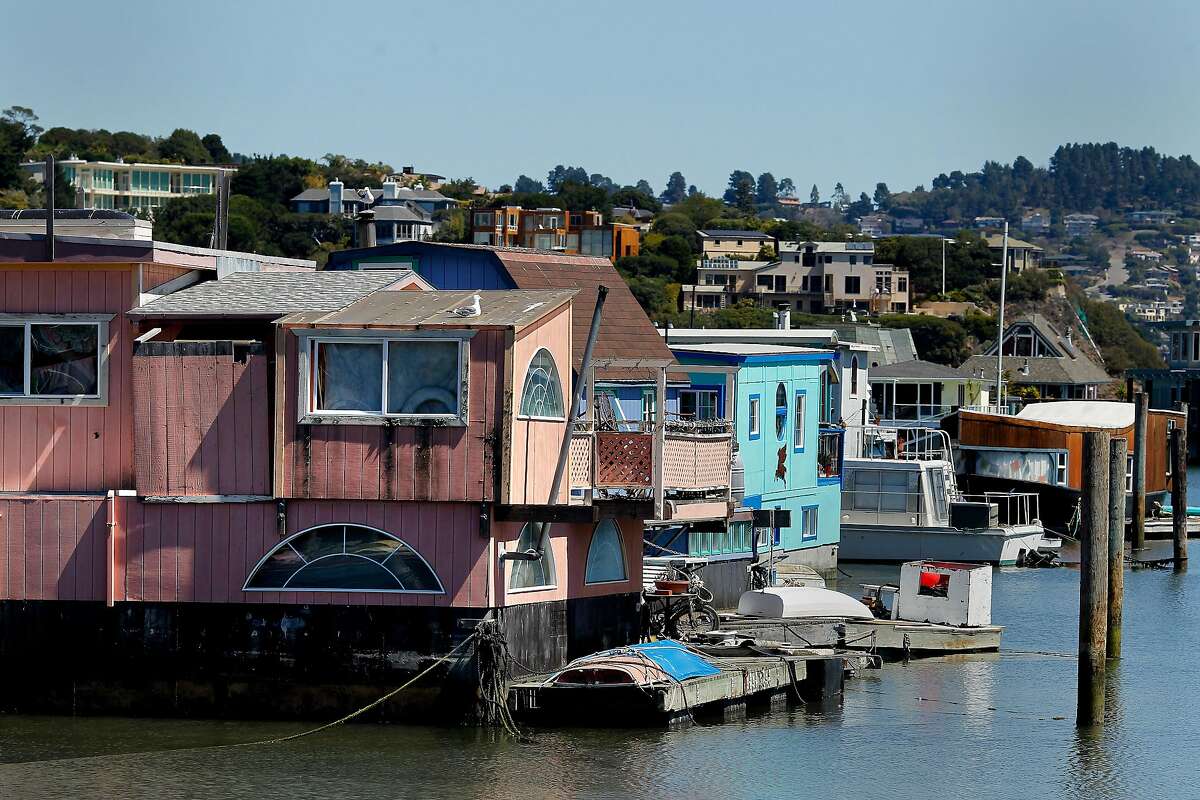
[{"x": 898, "y": 544}]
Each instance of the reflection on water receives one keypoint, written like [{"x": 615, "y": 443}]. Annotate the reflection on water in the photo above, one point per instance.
[{"x": 998, "y": 726}]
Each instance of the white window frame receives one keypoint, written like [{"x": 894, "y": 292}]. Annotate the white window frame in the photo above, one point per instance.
[
  {"x": 1061, "y": 463},
  {"x": 100, "y": 398},
  {"x": 310, "y": 340},
  {"x": 755, "y": 416},
  {"x": 799, "y": 421},
  {"x": 1129, "y": 473},
  {"x": 562, "y": 389}
]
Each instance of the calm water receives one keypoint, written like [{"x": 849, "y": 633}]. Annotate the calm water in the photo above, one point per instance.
[{"x": 997, "y": 726}]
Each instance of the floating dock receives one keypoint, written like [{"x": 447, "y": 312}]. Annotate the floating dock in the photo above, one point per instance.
[{"x": 740, "y": 683}]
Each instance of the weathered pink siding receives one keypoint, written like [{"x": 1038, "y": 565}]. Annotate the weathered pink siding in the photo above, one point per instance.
[
  {"x": 157, "y": 274},
  {"x": 57, "y": 549},
  {"x": 202, "y": 419},
  {"x": 71, "y": 448},
  {"x": 403, "y": 462},
  {"x": 535, "y": 443}
]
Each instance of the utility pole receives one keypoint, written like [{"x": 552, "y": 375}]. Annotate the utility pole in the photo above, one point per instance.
[{"x": 1000, "y": 336}]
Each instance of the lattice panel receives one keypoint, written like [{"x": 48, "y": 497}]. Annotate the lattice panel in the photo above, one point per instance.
[
  {"x": 579, "y": 462},
  {"x": 696, "y": 462},
  {"x": 624, "y": 460}
]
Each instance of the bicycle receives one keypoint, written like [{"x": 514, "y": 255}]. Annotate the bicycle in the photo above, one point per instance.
[
  {"x": 680, "y": 615},
  {"x": 758, "y": 574}
]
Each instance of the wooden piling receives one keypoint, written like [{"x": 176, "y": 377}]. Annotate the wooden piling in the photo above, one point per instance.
[
  {"x": 1093, "y": 579},
  {"x": 1118, "y": 457},
  {"x": 1179, "y": 515},
  {"x": 1138, "y": 522}
]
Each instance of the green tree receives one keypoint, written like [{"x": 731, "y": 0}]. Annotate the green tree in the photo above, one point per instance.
[
  {"x": 217, "y": 151},
  {"x": 814, "y": 196},
  {"x": 527, "y": 185},
  {"x": 460, "y": 188},
  {"x": 882, "y": 196},
  {"x": 560, "y": 175},
  {"x": 700, "y": 209},
  {"x": 273, "y": 179},
  {"x": 740, "y": 190},
  {"x": 839, "y": 198},
  {"x": 644, "y": 187},
  {"x": 635, "y": 197},
  {"x": 942, "y": 341},
  {"x": 787, "y": 188},
  {"x": 676, "y": 189},
  {"x": 767, "y": 189},
  {"x": 18, "y": 132},
  {"x": 184, "y": 146}
]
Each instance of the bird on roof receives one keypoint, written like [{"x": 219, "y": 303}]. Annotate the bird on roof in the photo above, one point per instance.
[{"x": 470, "y": 310}]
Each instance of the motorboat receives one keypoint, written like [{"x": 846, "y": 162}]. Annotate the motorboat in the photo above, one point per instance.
[{"x": 900, "y": 502}]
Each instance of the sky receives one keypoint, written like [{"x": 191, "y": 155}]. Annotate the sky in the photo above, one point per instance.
[{"x": 820, "y": 92}]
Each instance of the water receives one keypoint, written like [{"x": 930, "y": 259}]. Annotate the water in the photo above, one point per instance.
[{"x": 997, "y": 726}]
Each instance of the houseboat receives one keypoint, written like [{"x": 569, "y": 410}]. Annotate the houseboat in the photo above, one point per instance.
[
  {"x": 1040, "y": 450},
  {"x": 901, "y": 503},
  {"x": 237, "y": 486}
]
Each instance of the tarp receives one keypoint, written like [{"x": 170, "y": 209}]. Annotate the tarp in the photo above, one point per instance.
[{"x": 675, "y": 659}]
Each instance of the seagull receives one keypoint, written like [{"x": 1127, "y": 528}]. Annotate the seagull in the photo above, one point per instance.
[{"x": 471, "y": 310}]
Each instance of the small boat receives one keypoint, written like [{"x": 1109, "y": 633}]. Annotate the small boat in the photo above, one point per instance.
[{"x": 901, "y": 503}]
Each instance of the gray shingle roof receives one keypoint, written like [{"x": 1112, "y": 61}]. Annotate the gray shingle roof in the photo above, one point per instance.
[
  {"x": 405, "y": 212},
  {"x": 917, "y": 369},
  {"x": 1044, "y": 369},
  {"x": 271, "y": 294},
  {"x": 348, "y": 193},
  {"x": 508, "y": 307}
]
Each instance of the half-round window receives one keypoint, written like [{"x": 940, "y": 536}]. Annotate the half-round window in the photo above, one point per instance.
[
  {"x": 533, "y": 573},
  {"x": 606, "y": 555},
  {"x": 781, "y": 401},
  {"x": 343, "y": 558},
  {"x": 542, "y": 395}
]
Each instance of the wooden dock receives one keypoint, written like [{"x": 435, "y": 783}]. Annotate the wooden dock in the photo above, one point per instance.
[{"x": 742, "y": 683}]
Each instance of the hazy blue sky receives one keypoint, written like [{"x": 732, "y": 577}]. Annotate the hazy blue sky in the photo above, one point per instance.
[{"x": 820, "y": 92}]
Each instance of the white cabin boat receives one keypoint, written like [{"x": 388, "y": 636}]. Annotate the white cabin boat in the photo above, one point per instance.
[{"x": 900, "y": 502}]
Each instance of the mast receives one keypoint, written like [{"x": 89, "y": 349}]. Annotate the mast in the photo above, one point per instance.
[{"x": 1000, "y": 335}]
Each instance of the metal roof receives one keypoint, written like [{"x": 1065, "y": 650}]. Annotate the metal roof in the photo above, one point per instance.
[
  {"x": 271, "y": 294},
  {"x": 503, "y": 307},
  {"x": 747, "y": 349}
]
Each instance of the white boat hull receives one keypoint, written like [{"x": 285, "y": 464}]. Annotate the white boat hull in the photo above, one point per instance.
[{"x": 898, "y": 543}]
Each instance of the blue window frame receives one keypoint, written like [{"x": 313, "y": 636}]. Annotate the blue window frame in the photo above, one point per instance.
[
  {"x": 781, "y": 409},
  {"x": 808, "y": 524}
]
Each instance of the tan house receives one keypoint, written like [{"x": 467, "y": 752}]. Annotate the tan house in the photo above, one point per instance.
[
  {"x": 1021, "y": 255},
  {"x": 735, "y": 244}
]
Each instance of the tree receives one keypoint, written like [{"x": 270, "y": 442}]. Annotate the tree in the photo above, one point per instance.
[
  {"x": 272, "y": 179},
  {"x": 814, "y": 196},
  {"x": 675, "y": 223},
  {"x": 185, "y": 147},
  {"x": 787, "y": 188},
  {"x": 460, "y": 189},
  {"x": 583, "y": 197},
  {"x": 560, "y": 175},
  {"x": 700, "y": 209},
  {"x": 860, "y": 207},
  {"x": 838, "y": 201},
  {"x": 941, "y": 341},
  {"x": 632, "y": 196},
  {"x": 740, "y": 182},
  {"x": 767, "y": 189},
  {"x": 18, "y": 132},
  {"x": 882, "y": 196},
  {"x": 676, "y": 189},
  {"x": 216, "y": 149},
  {"x": 644, "y": 187},
  {"x": 527, "y": 185}
]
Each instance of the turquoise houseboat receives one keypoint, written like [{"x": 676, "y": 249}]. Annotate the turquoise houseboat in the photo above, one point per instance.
[{"x": 788, "y": 445}]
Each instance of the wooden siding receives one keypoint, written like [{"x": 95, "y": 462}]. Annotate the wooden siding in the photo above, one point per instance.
[
  {"x": 157, "y": 274},
  {"x": 71, "y": 448},
  {"x": 201, "y": 419},
  {"x": 57, "y": 549},
  {"x": 985, "y": 430},
  {"x": 398, "y": 462},
  {"x": 535, "y": 444}
]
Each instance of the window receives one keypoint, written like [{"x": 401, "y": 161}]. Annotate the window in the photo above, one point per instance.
[
  {"x": 808, "y": 524},
  {"x": 606, "y": 555},
  {"x": 867, "y": 259},
  {"x": 853, "y": 284},
  {"x": 542, "y": 396},
  {"x": 534, "y": 573},
  {"x": 483, "y": 219},
  {"x": 649, "y": 400},
  {"x": 396, "y": 377},
  {"x": 755, "y": 430},
  {"x": 798, "y": 421},
  {"x": 1129, "y": 473},
  {"x": 853, "y": 260},
  {"x": 51, "y": 359},
  {"x": 781, "y": 407},
  {"x": 1060, "y": 469},
  {"x": 854, "y": 375},
  {"x": 698, "y": 404},
  {"x": 343, "y": 558}
]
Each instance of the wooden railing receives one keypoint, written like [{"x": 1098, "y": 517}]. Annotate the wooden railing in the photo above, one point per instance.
[{"x": 696, "y": 459}]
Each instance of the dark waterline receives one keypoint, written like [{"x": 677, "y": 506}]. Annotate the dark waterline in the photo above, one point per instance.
[{"x": 999, "y": 726}]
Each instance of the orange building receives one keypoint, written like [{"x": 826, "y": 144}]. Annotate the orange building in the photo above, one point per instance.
[{"x": 571, "y": 233}]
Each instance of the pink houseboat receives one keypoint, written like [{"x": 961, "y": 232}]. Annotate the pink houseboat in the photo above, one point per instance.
[{"x": 231, "y": 484}]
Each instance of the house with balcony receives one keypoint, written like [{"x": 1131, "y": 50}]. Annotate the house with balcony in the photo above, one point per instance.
[
  {"x": 782, "y": 401},
  {"x": 733, "y": 244},
  {"x": 1021, "y": 255},
  {"x": 553, "y": 229},
  {"x": 1080, "y": 226},
  {"x": 837, "y": 276},
  {"x": 337, "y": 198},
  {"x": 300, "y": 473},
  {"x": 129, "y": 186}
]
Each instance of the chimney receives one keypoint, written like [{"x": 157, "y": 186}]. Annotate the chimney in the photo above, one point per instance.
[
  {"x": 391, "y": 190},
  {"x": 365, "y": 228},
  {"x": 783, "y": 318},
  {"x": 335, "y": 196}
]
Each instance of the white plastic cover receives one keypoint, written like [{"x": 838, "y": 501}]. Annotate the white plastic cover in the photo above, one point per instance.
[{"x": 798, "y": 602}]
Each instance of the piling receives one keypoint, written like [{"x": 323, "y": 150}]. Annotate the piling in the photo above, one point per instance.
[
  {"x": 1179, "y": 451},
  {"x": 1093, "y": 579},
  {"x": 1138, "y": 523},
  {"x": 1118, "y": 457}
]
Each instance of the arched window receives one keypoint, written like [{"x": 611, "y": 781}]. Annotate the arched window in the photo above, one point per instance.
[
  {"x": 781, "y": 401},
  {"x": 542, "y": 394},
  {"x": 606, "y": 555},
  {"x": 854, "y": 375},
  {"x": 533, "y": 573},
  {"x": 343, "y": 558}
]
